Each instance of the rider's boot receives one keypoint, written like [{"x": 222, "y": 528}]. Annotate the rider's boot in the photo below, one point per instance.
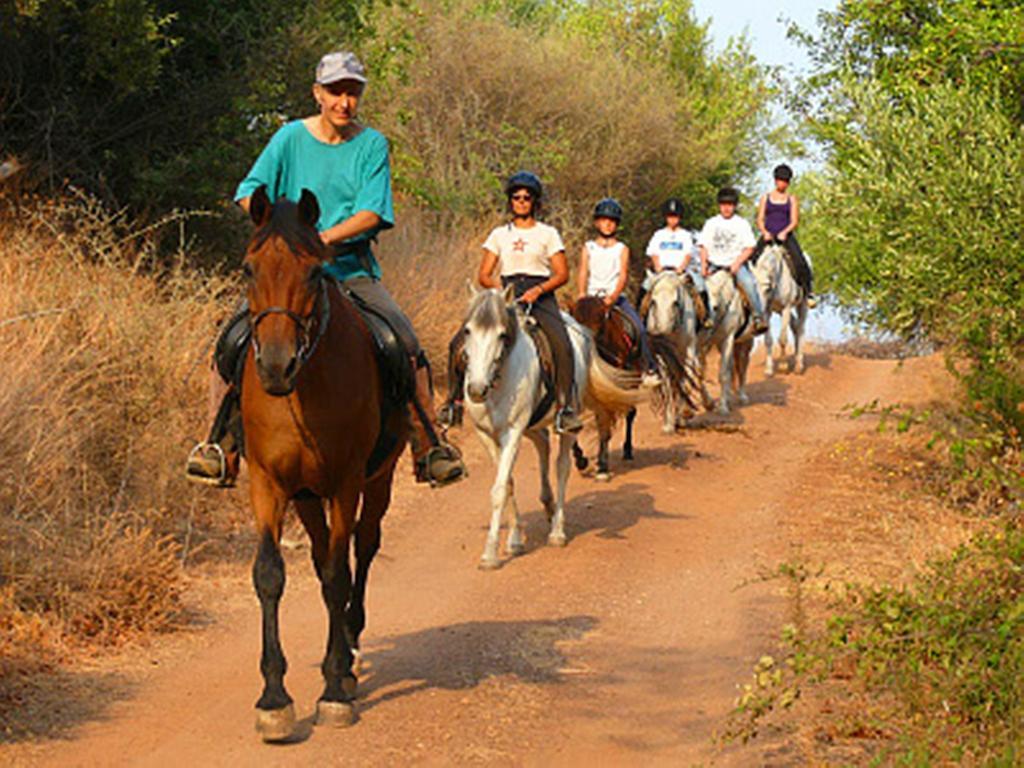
[
  {"x": 216, "y": 460},
  {"x": 567, "y": 418},
  {"x": 760, "y": 324},
  {"x": 437, "y": 462},
  {"x": 812, "y": 300}
]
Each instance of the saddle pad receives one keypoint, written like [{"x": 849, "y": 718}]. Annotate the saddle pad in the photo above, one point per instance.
[{"x": 547, "y": 371}]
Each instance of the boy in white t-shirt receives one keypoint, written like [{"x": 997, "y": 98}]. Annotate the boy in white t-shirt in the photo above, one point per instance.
[
  {"x": 727, "y": 242},
  {"x": 604, "y": 271}
]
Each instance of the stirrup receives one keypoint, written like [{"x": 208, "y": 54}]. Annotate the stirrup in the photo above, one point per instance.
[
  {"x": 560, "y": 426},
  {"x": 221, "y": 480}
]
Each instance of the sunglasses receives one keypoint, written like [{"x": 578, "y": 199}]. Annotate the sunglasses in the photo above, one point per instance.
[{"x": 521, "y": 197}]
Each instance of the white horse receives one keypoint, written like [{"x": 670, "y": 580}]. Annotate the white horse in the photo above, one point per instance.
[
  {"x": 673, "y": 316},
  {"x": 780, "y": 293},
  {"x": 505, "y": 399},
  {"x": 732, "y": 332}
]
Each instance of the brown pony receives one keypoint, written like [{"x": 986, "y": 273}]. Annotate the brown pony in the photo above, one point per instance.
[
  {"x": 619, "y": 347},
  {"x": 312, "y": 408}
]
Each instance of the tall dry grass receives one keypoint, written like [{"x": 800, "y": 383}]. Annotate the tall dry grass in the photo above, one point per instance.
[{"x": 98, "y": 410}]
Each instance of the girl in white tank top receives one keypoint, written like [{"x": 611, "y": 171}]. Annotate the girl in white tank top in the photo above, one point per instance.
[{"x": 604, "y": 269}]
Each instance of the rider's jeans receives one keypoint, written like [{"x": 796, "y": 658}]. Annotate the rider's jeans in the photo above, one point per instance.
[{"x": 746, "y": 281}]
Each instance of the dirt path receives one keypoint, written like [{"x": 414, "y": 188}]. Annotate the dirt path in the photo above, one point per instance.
[{"x": 626, "y": 647}]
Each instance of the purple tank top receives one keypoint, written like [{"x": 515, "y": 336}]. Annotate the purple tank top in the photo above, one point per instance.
[{"x": 776, "y": 215}]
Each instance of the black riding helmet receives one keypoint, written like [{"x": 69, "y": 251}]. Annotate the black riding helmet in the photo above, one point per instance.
[
  {"x": 608, "y": 208},
  {"x": 783, "y": 172},
  {"x": 728, "y": 195},
  {"x": 524, "y": 180},
  {"x": 672, "y": 207}
]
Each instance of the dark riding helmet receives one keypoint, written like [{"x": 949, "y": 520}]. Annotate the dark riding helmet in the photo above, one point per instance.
[
  {"x": 728, "y": 195},
  {"x": 672, "y": 207},
  {"x": 783, "y": 172},
  {"x": 524, "y": 180},
  {"x": 608, "y": 208}
]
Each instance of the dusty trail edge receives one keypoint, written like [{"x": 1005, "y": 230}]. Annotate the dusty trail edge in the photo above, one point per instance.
[{"x": 625, "y": 647}]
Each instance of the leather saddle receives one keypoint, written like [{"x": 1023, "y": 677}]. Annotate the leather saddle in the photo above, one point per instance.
[
  {"x": 546, "y": 354},
  {"x": 398, "y": 377}
]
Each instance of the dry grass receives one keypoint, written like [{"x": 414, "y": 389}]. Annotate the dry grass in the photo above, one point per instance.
[{"x": 98, "y": 344}]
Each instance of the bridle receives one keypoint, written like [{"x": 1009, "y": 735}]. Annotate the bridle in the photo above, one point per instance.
[
  {"x": 497, "y": 365},
  {"x": 307, "y": 341}
]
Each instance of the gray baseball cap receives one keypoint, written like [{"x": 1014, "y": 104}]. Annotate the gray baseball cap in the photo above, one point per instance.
[{"x": 340, "y": 65}]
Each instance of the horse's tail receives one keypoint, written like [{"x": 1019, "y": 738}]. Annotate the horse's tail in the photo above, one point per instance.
[
  {"x": 613, "y": 389},
  {"x": 681, "y": 370}
]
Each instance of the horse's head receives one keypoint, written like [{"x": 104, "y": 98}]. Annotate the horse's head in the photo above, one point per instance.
[
  {"x": 768, "y": 269},
  {"x": 665, "y": 297},
  {"x": 591, "y": 312},
  {"x": 490, "y": 331},
  {"x": 286, "y": 288}
]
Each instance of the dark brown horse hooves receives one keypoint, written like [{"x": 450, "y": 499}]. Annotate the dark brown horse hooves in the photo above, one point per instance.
[
  {"x": 276, "y": 724},
  {"x": 336, "y": 714}
]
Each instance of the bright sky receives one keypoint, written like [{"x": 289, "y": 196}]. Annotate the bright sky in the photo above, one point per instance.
[{"x": 765, "y": 23}]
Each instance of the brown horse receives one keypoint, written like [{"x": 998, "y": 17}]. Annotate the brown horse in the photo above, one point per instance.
[
  {"x": 618, "y": 345},
  {"x": 313, "y": 414}
]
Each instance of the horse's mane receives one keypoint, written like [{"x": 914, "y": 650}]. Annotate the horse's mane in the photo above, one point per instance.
[
  {"x": 487, "y": 309},
  {"x": 590, "y": 311},
  {"x": 284, "y": 222}
]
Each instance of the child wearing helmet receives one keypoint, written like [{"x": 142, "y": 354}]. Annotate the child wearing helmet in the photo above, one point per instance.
[
  {"x": 778, "y": 215},
  {"x": 528, "y": 255},
  {"x": 727, "y": 242},
  {"x": 604, "y": 270}
]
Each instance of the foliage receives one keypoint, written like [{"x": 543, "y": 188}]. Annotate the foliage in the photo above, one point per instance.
[
  {"x": 939, "y": 666},
  {"x": 916, "y": 231},
  {"x": 162, "y": 104},
  {"x": 582, "y": 92},
  {"x": 909, "y": 43}
]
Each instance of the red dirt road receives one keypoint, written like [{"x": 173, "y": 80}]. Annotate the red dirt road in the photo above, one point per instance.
[{"x": 624, "y": 648}]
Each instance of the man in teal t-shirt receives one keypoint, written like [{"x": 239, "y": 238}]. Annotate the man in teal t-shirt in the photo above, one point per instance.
[{"x": 345, "y": 164}]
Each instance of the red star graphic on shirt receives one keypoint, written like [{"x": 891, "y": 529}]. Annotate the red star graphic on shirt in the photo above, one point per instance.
[{"x": 519, "y": 245}]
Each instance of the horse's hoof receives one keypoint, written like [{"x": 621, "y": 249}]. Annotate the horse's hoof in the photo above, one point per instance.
[
  {"x": 627, "y": 456},
  {"x": 667, "y": 429},
  {"x": 556, "y": 540},
  {"x": 276, "y": 724},
  {"x": 744, "y": 399},
  {"x": 515, "y": 549},
  {"x": 603, "y": 477},
  {"x": 582, "y": 463},
  {"x": 336, "y": 714},
  {"x": 357, "y": 662},
  {"x": 489, "y": 564}
]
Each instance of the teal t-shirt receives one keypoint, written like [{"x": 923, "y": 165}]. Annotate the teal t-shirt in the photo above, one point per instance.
[{"x": 352, "y": 176}]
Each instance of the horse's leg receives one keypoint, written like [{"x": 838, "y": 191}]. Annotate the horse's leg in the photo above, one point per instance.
[
  {"x": 604, "y": 434},
  {"x": 725, "y": 351},
  {"x": 542, "y": 442},
  {"x": 702, "y": 362},
  {"x": 507, "y": 450},
  {"x": 769, "y": 358},
  {"x": 799, "y": 322},
  {"x": 783, "y": 333},
  {"x": 376, "y": 499},
  {"x": 556, "y": 536},
  {"x": 627, "y": 445},
  {"x": 515, "y": 543},
  {"x": 335, "y": 704},
  {"x": 275, "y": 716},
  {"x": 579, "y": 457},
  {"x": 741, "y": 353}
]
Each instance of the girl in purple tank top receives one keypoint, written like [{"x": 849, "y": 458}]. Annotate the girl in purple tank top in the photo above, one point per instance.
[{"x": 777, "y": 217}]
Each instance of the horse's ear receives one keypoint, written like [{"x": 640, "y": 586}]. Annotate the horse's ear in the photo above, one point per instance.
[
  {"x": 309, "y": 208},
  {"x": 471, "y": 289},
  {"x": 509, "y": 294},
  {"x": 259, "y": 206}
]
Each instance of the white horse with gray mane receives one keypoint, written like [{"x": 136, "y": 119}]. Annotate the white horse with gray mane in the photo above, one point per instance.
[
  {"x": 780, "y": 293},
  {"x": 731, "y": 330},
  {"x": 672, "y": 314},
  {"x": 505, "y": 399}
]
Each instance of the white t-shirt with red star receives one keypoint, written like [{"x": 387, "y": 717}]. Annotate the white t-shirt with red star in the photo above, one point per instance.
[{"x": 524, "y": 251}]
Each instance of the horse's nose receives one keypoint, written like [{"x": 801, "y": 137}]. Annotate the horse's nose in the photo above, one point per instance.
[
  {"x": 476, "y": 392},
  {"x": 277, "y": 368}
]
